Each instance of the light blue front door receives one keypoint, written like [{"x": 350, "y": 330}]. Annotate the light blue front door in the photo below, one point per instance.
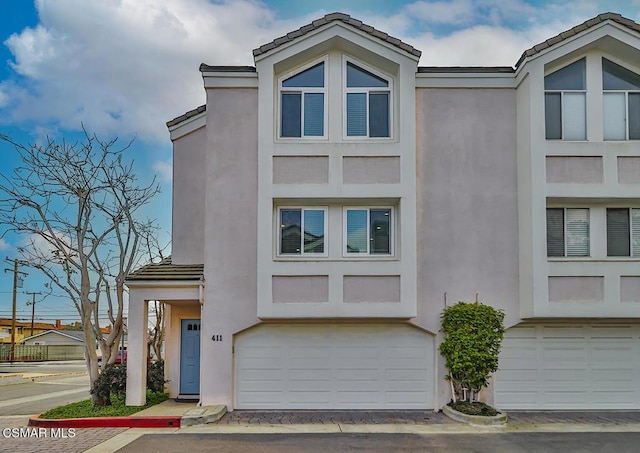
[{"x": 190, "y": 357}]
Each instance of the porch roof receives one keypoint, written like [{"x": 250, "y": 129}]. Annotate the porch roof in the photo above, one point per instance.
[{"x": 165, "y": 270}]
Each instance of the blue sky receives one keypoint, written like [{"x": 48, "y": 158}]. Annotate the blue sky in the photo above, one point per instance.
[{"x": 125, "y": 67}]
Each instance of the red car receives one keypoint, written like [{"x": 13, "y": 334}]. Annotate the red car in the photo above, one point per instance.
[{"x": 118, "y": 358}]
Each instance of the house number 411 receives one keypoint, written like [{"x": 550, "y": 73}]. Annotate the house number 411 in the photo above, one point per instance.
[{"x": 216, "y": 337}]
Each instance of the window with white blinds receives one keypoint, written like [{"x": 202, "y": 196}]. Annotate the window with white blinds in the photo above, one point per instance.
[
  {"x": 621, "y": 98},
  {"x": 565, "y": 102},
  {"x": 302, "y": 103},
  {"x": 623, "y": 232},
  {"x": 567, "y": 232},
  {"x": 367, "y": 103}
]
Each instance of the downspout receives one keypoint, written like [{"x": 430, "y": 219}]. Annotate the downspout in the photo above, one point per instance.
[{"x": 201, "y": 300}]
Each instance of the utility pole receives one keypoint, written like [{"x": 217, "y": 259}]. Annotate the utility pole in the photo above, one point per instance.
[
  {"x": 16, "y": 281},
  {"x": 33, "y": 308}
]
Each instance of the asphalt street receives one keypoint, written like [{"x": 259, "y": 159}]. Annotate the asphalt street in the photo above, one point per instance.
[{"x": 383, "y": 443}]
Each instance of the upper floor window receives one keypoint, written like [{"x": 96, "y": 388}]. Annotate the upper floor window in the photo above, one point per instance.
[
  {"x": 367, "y": 103},
  {"x": 621, "y": 96},
  {"x": 565, "y": 102},
  {"x": 302, "y": 231},
  {"x": 567, "y": 232},
  {"x": 368, "y": 231},
  {"x": 623, "y": 232},
  {"x": 302, "y": 103}
]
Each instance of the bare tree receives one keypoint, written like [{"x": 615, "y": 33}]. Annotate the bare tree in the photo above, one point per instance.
[
  {"x": 77, "y": 203},
  {"x": 156, "y": 337}
]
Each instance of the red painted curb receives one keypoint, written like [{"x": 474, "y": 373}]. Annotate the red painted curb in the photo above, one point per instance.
[{"x": 107, "y": 422}]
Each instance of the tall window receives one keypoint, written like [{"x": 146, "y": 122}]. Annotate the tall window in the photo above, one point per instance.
[
  {"x": 623, "y": 232},
  {"x": 565, "y": 103},
  {"x": 567, "y": 232},
  {"x": 368, "y": 103},
  {"x": 621, "y": 95},
  {"x": 302, "y": 103},
  {"x": 302, "y": 231},
  {"x": 368, "y": 231}
]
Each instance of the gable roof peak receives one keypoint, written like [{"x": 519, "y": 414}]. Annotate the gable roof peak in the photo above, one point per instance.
[
  {"x": 600, "y": 18},
  {"x": 333, "y": 17}
]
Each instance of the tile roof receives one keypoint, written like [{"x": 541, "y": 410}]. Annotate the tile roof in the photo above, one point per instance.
[
  {"x": 345, "y": 18},
  {"x": 465, "y": 69},
  {"x": 600, "y": 18},
  {"x": 207, "y": 68},
  {"x": 165, "y": 270},
  {"x": 186, "y": 116}
]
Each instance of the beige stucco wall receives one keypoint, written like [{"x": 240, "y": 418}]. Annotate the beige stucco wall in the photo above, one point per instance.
[
  {"x": 371, "y": 170},
  {"x": 371, "y": 288},
  {"x": 300, "y": 288},
  {"x": 629, "y": 170},
  {"x": 467, "y": 200},
  {"x": 467, "y": 204},
  {"x": 189, "y": 153},
  {"x": 574, "y": 169},
  {"x": 576, "y": 289},
  {"x": 300, "y": 169},
  {"x": 230, "y": 235}
]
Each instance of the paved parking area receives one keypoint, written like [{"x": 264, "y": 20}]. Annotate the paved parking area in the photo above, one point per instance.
[
  {"x": 241, "y": 417},
  {"x": 331, "y": 417}
]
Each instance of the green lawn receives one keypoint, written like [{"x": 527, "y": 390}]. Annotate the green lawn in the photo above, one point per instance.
[{"x": 84, "y": 408}]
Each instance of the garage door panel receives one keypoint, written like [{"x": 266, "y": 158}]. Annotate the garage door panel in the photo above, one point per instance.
[
  {"x": 361, "y": 367},
  {"x": 574, "y": 367}
]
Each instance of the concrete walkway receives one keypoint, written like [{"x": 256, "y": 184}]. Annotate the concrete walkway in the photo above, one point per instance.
[{"x": 406, "y": 422}]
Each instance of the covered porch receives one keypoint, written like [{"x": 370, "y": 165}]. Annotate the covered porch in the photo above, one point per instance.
[{"x": 181, "y": 289}]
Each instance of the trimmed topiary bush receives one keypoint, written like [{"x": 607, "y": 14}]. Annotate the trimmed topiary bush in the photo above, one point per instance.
[{"x": 473, "y": 335}]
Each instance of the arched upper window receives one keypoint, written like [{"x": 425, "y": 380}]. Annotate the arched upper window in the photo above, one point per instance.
[
  {"x": 621, "y": 98},
  {"x": 565, "y": 102},
  {"x": 367, "y": 103},
  {"x": 302, "y": 103}
]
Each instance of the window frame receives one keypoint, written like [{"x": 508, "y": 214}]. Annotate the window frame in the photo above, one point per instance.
[
  {"x": 303, "y": 90},
  {"x": 565, "y": 230},
  {"x": 563, "y": 93},
  {"x": 367, "y": 90},
  {"x": 626, "y": 103},
  {"x": 631, "y": 226},
  {"x": 302, "y": 254},
  {"x": 369, "y": 255}
]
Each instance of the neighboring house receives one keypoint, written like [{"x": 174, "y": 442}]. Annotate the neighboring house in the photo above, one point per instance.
[
  {"x": 56, "y": 337},
  {"x": 330, "y": 201},
  {"x": 23, "y": 329}
]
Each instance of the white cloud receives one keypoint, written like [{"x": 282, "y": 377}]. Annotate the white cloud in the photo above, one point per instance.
[
  {"x": 164, "y": 170},
  {"x": 4, "y": 245},
  {"x": 125, "y": 67}
]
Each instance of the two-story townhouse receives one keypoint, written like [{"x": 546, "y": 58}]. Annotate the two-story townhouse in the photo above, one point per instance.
[{"x": 330, "y": 201}]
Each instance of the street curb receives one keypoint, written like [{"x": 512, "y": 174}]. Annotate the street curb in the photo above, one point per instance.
[
  {"x": 108, "y": 422},
  {"x": 477, "y": 420}
]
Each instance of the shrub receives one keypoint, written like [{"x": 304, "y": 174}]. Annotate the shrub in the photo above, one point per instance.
[
  {"x": 113, "y": 380},
  {"x": 155, "y": 376},
  {"x": 472, "y": 337}
]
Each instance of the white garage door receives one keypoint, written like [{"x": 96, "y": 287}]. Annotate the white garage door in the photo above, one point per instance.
[
  {"x": 569, "y": 367},
  {"x": 341, "y": 366}
]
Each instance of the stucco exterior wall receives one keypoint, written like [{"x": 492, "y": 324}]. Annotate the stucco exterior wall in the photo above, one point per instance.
[
  {"x": 467, "y": 200},
  {"x": 230, "y": 235},
  {"x": 189, "y": 154}
]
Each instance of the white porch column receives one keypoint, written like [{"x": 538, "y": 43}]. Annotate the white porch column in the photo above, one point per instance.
[{"x": 137, "y": 350}]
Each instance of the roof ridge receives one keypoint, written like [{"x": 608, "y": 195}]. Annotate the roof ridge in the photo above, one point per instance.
[
  {"x": 332, "y": 17},
  {"x": 600, "y": 18}
]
